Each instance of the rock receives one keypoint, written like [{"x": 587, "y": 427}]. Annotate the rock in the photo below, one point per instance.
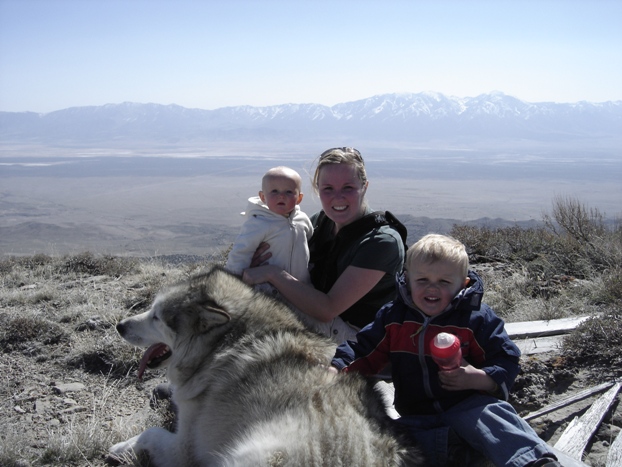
[
  {"x": 93, "y": 323},
  {"x": 68, "y": 387},
  {"x": 74, "y": 409},
  {"x": 42, "y": 406}
]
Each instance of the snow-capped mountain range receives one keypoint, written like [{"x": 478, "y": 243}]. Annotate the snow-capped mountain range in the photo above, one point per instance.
[{"x": 388, "y": 117}]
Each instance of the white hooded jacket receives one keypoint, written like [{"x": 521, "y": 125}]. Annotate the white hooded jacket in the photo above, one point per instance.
[{"x": 288, "y": 238}]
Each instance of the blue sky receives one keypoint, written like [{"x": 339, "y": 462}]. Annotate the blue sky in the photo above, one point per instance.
[{"x": 208, "y": 54}]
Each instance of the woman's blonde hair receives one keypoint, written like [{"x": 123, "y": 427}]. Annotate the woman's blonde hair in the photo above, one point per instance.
[
  {"x": 344, "y": 155},
  {"x": 435, "y": 247}
]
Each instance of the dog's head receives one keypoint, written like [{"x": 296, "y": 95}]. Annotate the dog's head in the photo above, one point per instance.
[{"x": 182, "y": 315}]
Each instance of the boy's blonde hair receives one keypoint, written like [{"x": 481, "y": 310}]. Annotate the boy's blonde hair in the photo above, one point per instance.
[{"x": 435, "y": 247}]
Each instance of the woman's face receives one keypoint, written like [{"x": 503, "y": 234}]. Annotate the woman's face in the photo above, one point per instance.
[{"x": 342, "y": 193}]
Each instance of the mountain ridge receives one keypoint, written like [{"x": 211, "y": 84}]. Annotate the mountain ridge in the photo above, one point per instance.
[{"x": 411, "y": 117}]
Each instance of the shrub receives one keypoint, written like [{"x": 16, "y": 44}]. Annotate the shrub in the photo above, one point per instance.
[
  {"x": 597, "y": 340},
  {"x": 571, "y": 265},
  {"x": 19, "y": 331},
  {"x": 574, "y": 241},
  {"x": 87, "y": 263},
  {"x": 612, "y": 282},
  {"x": 504, "y": 244},
  {"x": 574, "y": 220},
  {"x": 586, "y": 238}
]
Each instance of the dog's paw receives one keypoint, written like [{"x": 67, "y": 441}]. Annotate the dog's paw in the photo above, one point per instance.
[
  {"x": 109, "y": 460},
  {"x": 123, "y": 452}
]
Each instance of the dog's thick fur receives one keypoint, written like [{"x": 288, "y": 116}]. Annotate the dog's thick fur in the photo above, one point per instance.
[{"x": 252, "y": 385}]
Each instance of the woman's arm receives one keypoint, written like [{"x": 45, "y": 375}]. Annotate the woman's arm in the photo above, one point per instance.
[{"x": 350, "y": 287}]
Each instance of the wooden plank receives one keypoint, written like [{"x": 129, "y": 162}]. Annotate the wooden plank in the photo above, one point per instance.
[
  {"x": 614, "y": 456},
  {"x": 568, "y": 400},
  {"x": 567, "y": 461},
  {"x": 532, "y": 345},
  {"x": 543, "y": 328},
  {"x": 579, "y": 431}
]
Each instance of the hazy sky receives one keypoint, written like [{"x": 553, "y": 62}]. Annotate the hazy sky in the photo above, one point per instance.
[{"x": 207, "y": 54}]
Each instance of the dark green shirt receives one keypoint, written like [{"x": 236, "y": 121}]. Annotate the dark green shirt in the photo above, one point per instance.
[{"x": 379, "y": 248}]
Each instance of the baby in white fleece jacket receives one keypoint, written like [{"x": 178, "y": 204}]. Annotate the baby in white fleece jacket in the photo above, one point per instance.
[{"x": 275, "y": 217}]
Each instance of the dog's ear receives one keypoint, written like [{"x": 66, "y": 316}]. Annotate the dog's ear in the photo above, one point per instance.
[{"x": 211, "y": 317}]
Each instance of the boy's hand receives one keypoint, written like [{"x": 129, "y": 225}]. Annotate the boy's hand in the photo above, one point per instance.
[{"x": 466, "y": 377}]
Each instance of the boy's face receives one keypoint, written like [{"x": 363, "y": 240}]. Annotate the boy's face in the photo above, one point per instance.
[
  {"x": 434, "y": 285},
  {"x": 281, "y": 194}
]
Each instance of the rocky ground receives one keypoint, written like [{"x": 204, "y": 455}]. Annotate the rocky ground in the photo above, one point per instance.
[
  {"x": 69, "y": 417},
  {"x": 51, "y": 409},
  {"x": 546, "y": 379},
  {"x": 69, "y": 388}
]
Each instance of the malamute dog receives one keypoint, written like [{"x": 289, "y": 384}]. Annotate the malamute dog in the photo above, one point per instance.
[{"x": 252, "y": 386}]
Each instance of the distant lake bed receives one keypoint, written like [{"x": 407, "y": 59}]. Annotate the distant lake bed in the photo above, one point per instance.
[{"x": 136, "y": 197}]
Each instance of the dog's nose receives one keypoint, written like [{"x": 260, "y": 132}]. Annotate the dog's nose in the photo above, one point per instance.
[{"x": 120, "y": 328}]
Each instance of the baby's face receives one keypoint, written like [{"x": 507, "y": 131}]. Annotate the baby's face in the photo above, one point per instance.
[
  {"x": 434, "y": 285},
  {"x": 281, "y": 194}
]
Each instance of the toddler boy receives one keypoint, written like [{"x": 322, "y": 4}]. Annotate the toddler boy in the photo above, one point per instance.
[{"x": 438, "y": 293}]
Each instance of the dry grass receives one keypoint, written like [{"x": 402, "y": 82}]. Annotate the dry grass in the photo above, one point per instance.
[
  {"x": 57, "y": 318},
  {"x": 571, "y": 265}
]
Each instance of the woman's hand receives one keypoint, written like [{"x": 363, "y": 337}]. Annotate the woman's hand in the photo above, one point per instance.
[
  {"x": 259, "y": 274},
  {"x": 259, "y": 258}
]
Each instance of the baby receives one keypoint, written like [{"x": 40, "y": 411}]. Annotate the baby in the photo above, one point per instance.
[{"x": 275, "y": 217}]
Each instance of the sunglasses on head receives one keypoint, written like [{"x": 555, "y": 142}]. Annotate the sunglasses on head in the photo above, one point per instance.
[{"x": 347, "y": 150}]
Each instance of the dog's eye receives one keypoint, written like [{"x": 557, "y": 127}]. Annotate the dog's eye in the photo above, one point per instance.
[{"x": 155, "y": 318}]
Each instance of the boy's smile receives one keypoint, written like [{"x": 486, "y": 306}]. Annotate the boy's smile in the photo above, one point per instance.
[{"x": 434, "y": 285}]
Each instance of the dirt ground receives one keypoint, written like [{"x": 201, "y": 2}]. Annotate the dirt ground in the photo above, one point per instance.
[
  {"x": 549, "y": 378},
  {"x": 45, "y": 399},
  {"x": 69, "y": 388}
]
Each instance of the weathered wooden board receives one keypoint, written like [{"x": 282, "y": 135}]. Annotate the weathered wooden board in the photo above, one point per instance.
[
  {"x": 543, "y": 328},
  {"x": 568, "y": 400},
  {"x": 579, "y": 431},
  {"x": 567, "y": 461},
  {"x": 532, "y": 345},
  {"x": 614, "y": 456}
]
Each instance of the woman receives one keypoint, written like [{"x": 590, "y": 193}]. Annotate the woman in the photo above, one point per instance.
[{"x": 355, "y": 254}]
